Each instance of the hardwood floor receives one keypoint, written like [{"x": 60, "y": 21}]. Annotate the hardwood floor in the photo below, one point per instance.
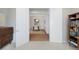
[{"x": 39, "y": 36}]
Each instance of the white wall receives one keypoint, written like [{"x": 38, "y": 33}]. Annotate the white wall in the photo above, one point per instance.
[
  {"x": 47, "y": 24},
  {"x": 65, "y": 13},
  {"x": 3, "y": 12},
  {"x": 11, "y": 17},
  {"x": 39, "y": 11},
  {"x": 11, "y": 20},
  {"x": 2, "y": 19},
  {"x": 22, "y": 26},
  {"x": 55, "y": 24}
]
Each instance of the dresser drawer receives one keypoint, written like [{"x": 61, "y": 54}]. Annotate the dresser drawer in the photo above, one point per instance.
[
  {"x": 4, "y": 40},
  {"x": 5, "y": 31}
]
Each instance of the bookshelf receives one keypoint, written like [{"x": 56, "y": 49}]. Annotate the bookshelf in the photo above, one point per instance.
[{"x": 73, "y": 29}]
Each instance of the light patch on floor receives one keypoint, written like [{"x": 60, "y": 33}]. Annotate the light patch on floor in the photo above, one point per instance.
[{"x": 40, "y": 45}]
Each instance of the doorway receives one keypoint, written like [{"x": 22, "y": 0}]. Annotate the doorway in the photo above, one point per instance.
[{"x": 39, "y": 24}]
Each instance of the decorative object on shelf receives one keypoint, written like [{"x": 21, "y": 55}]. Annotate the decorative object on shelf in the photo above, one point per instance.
[
  {"x": 36, "y": 21},
  {"x": 77, "y": 23},
  {"x": 72, "y": 33},
  {"x": 36, "y": 25}
]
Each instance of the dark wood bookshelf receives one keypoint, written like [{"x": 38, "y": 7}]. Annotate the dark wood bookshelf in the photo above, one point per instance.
[{"x": 73, "y": 29}]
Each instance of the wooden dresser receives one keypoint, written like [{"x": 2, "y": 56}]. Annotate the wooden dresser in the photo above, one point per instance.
[{"x": 6, "y": 35}]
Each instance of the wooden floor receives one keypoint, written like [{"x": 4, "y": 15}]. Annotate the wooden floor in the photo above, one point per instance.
[{"x": 39, "y": 36}]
